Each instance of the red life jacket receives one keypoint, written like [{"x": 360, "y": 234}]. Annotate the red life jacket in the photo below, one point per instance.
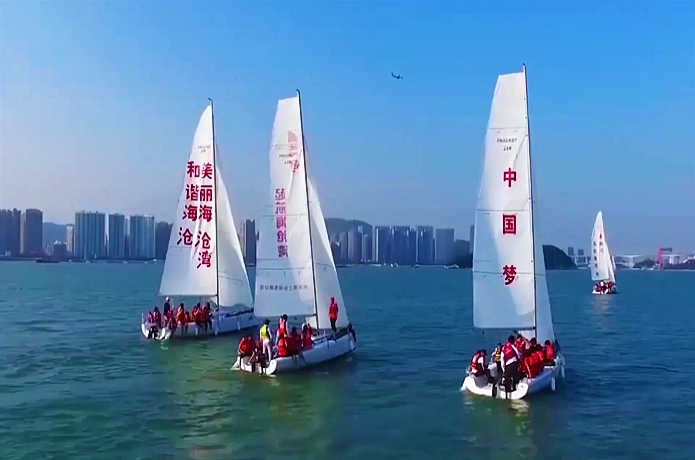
[
  {"x": 282, "y": 326},
  {"x": 282, "y": 346},
  {"x": 533, "y": 365},
  {"x": 333, "y": 311},
  {"x": 520, "y": 345},
  {"x": 475, "y": 365},
  {"x": 307, "y": 343},
  {"x": 549, "y": 352},
  {"x": 509, "y": 353}
]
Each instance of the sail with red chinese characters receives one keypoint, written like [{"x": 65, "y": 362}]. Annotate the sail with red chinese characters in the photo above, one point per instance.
[
  {"x": 284, "y": 278},
  {"x": 204, "y": 255},
  {"x": 602, "y": 265},
  {"x": 509, "y": 283},
  {"x": 291, "y": 267}
]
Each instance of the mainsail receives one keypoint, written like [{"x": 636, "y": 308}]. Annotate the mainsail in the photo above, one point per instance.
[
  {"x": 204, "y": 255},
  {"x": 509, "y": 284},
  {"x": 602, "y": 265},
  {"x": 295, "y": 271}
]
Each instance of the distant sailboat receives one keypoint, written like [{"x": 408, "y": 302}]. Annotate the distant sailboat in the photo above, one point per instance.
[
  {"x": 295, "y": 270},
  {"x": 602, "y": 264},
  {"x": 204, "y": 258},
  {"x": 509, "y": 286}
]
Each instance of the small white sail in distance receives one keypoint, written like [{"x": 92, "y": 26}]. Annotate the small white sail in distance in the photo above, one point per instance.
[
  {"x": 204, "y": 255},
  {"x": 509, "y": 283},
  {"x": 602, "y": 265}
]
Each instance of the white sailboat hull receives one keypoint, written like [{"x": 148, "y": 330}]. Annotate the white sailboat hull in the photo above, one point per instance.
[
  {"x": 223, "y": 322},
  {"x": 613, "y": 290},
  {"x": 325, "y": 349},
  {"x": 545, "y": 380}
]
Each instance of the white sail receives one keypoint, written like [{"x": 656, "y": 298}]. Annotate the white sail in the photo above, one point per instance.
[
  {"x": 509, "y": 285},
  {"x": 190, "y": 266},
  {"x": 284, "y": 279},
  {"x": 602, "y": 265},
  {"x": 233, "y": 279},
  {"x": 327, "y": 284}
]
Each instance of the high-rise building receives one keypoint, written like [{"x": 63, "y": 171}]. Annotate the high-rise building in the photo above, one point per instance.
[
  {"x": 31, "y": 232},
  {"x": 411, "y": 258},
  {"x": 116, "y": 236},
  {"x": 70, "y": 238},
  {"x": 162, "y": 235},
  {"x": 382, "y": 244},
  {"x": 471, "y": 238},
  {"x": 90, "y": 235},
  {"x": 141, "y": 237},
  {"x": 570, "y": 251},
  {"x": 343, "y": 242},
  {"x": 444, "y": 245},
  {"x": 366, "y": 248},
  {"x": 354, "y": 246},
  {"x": 425, "y": 244},
  {"x": 399, "y": 253},
  {"x": 248, "y": 241},
  {"x": 10, "y": 232}
]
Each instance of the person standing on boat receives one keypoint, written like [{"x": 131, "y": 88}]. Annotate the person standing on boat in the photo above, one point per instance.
[
  {"x": 333, "y": 314},
  {"x": 497, "y": 358},
  {"x": 282, "y": 325},
  {"x": 510, "y": 361},
  {"x": 266, "y": 340}
]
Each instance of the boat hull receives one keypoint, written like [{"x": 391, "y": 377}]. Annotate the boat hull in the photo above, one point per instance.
[
  {"x": 545, "y": 380},
  {"x": 223, "y": 322},
  {"x": 614, "y": 290},
  {"x": 325, "y": 349}
]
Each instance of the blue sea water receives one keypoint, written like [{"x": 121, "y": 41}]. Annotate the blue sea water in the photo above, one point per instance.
[{"x": 78, "y": 381}]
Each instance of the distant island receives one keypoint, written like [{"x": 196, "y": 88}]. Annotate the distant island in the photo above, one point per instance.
[{"x": 555, "y": 259}]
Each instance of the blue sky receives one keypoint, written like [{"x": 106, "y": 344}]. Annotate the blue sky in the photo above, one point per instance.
[{"x": 99, "y": 102}]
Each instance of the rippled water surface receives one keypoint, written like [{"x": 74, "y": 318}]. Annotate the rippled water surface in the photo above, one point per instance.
[{"x": 77, "y": 380}]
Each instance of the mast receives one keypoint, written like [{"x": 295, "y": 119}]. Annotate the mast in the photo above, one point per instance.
[
  {"x": 308, "y": 212},
  {"x": 214, "y": 172},
  {"x": 533, "y": 218}
]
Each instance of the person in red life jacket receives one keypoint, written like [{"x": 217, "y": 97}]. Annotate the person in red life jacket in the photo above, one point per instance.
[
  {"x": 207, "y": 315},
  {"x": 533, "y": 364},
  {"x": 549, "y": 352},
  {"x": 294, "y": 341},
  {"x": 333, "y": 314},
  {"x": 157, "y": 317},
  {"x": 246, "y": 346},
  {"x": 309, "y": 329},
  {"x": 282, "y": 325},
  {"x": 540, "y": 358},
  {"x": 282, "y": 345},
  {"x": 477, "y": 367},
  {"x": 510, "y": 364},
  {"x": 521, "y": 344},
  {"x": 307, "y": 343}
]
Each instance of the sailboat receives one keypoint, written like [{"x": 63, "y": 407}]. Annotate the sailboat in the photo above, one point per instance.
[
  {"x": 295, "y": 271},
  {"x": 509, "y": 284},
  {"x": 602, "y": 264},
  {"x": 204, "y": 258}
]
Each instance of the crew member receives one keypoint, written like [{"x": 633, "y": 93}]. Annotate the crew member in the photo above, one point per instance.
[
  {"x": 333, "y": 313},
  {"x": 266, "y": 340},
  {"x": 283, "y": 349},
  {"x": 477, "y": 367},
  {"x": 282, "y": 325},
  {"x": 549, "y": 352},
  {"x": 497, "y": 359},
  {"x": 510, "y": 364}
]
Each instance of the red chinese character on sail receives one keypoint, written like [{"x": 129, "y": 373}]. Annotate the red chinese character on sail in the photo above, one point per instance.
[
  {"x": 190, "y": 211},
  {"x": 281, "y": 222},
  {"x": 280, "y": 194},
  {"x": 207, "y": 171},
  {"x": 192, "y": 192},
  {"x": 204, "y": 238},
  {"x": 282, "y": 236},
  {"x": 206, "y": 193},
  {"x": 205, "y": 213},
  {"x": 186, "y": 236},
  {"x": 509, "y": 273},
  {"x": 193, "y": 169},
  {"x": 280, "y": 210},
  {"x": 509, "y": 177},
  {"x": 295, "y": 166},
  {"x": 509, "y": 224},
  {"x": 282, "y": 250},
  {"x": 204, "y": 259}
]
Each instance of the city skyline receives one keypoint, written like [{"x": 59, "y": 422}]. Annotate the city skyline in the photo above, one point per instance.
[
  {"x": 123, "y": 108},
  {"x": 145, "y": 246}
]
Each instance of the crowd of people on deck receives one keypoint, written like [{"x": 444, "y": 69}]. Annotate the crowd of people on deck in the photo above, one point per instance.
[
  {"x": 518, "y": 358},
  {"x": 604, "y": 286},
  {"x": 173, "y": 319}
]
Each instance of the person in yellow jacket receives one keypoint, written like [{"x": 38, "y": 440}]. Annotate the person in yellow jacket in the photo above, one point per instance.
[{"x": 266, "y": 338}]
